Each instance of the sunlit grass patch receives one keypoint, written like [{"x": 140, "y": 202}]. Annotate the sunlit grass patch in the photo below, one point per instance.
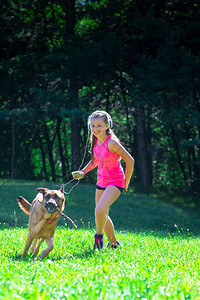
[
  {"x": 159, "y": 257},
  {"x": 148, "y": 266}
]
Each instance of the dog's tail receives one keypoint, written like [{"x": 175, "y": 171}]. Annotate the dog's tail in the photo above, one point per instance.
[{"x": 24, "y": 205}]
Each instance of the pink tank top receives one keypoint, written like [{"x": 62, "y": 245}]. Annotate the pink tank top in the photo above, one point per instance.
[{"x": 110, "y": 171}]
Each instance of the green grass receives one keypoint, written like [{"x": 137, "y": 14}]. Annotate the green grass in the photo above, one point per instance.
[{"x": 159, "y": 258}]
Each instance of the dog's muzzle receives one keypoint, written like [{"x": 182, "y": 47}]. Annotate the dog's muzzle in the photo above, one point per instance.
[{"x": 51, "y": 207}]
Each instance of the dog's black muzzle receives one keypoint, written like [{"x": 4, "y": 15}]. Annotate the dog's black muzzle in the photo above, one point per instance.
[{"x": 51, "y": 207}]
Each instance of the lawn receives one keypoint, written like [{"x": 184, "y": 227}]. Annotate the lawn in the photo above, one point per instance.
[{"x": 159, "y": 258}]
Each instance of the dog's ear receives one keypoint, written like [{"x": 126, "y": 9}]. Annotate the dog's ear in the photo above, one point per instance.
[
  {"x": 62, "y": 188},
  {"x": 42, "y": 190}
]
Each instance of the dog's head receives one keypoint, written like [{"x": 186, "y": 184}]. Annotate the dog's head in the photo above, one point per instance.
[{"x": 53, "y": 199}]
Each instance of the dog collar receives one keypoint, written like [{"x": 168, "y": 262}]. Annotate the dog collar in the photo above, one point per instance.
[{"x": 49, "y": 221}]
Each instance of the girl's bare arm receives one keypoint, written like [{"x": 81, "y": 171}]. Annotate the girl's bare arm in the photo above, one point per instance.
[
  {"x": 91, "y": 165},
  {"x": 123, "y": 153}
]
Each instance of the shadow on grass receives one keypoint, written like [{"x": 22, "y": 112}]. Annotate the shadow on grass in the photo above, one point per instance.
[
  {"x": 141, "y": 212},
  {"x": 81, "y": 254}
]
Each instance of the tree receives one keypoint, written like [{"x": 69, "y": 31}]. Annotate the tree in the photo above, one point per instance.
[{"x": 64, "y": 59}]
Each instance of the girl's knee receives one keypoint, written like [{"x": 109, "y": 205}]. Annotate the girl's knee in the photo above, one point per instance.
[{"x": 99, "y": 212}]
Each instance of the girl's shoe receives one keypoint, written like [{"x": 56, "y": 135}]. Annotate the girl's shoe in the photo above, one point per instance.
[
  {"x": 114, "y": 245},
  {"x": 98, "y": 241}
]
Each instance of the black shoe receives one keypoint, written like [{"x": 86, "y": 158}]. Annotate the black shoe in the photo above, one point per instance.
[
  {"x": 114, "y": 245},
  {"x": 98, "y": 242}
]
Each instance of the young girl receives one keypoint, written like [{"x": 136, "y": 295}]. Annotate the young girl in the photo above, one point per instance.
[{"x": 106, "y": 153}]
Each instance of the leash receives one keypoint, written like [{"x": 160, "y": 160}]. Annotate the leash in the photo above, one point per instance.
[
  {"x": 57, "y": 209},
  {"x": 50, "y": 207},
  {"x": 64, "y": 184}
]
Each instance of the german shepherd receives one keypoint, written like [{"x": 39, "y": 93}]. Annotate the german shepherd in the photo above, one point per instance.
[{"x": 43, "y": 218}]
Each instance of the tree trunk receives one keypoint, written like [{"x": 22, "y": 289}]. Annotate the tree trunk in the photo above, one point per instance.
[
  {"x": 66, "y": 148},
  {"x": 43, "y": 156},
  {"x": 149, "y": 146},
  {"x": 189, "y": 163},
  {"x": 195, "y": 168},
  {"x": 13, "y": 150},
  {"x": 75, "y": 143},
  {"x": 27, "y": 159},
  {"x": 50, "y": 152},
  {"x": 62, "y": 158},
  {"x": 193, "y": 172},
  {"x": 70, "y": 16},
  {"x": 180, "y": 160},
  {"x": 127, "y": 117},
  {"x": 143, "y": 155}
]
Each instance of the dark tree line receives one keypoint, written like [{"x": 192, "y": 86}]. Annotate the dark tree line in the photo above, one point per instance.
[{"x": 138, "y": 60}]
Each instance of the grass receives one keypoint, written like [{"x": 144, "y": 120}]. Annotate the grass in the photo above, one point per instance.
[{"x": 159, "y": 258}]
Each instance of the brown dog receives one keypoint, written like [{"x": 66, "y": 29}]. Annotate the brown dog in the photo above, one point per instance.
[{"x": 43, "y": 218}]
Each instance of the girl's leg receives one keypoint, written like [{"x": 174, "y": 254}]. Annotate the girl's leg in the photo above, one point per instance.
[
  {"x": 109, "y": 231},
  {"x": 108, "y": 197},
  {"x": 109, "y": 227}
]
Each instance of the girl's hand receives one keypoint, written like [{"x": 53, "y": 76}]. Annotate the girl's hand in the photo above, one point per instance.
[
  {"x": 78, "y": 174},
  {"x": 126, "y": 186}
]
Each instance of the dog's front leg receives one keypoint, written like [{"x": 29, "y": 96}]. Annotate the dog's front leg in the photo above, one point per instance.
[
  {"x": 35, "y": 252},
  {"x": 28, "y": 244},
  {"x": 48, "y": 249},
  {"x": 39, "y": 226},
  {"x": 33, "y": 245}
]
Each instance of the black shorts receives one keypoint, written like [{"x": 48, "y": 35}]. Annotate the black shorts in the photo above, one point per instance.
[{"x": 103, "y": 188}]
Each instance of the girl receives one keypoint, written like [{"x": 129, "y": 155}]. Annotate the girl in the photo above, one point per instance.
[{"x": 106, "y": 153}]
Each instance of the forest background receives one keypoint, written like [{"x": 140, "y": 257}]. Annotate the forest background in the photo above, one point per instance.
[{"x": 138, "y": 60}]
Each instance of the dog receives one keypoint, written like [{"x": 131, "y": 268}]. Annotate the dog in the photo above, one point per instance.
[{"x": 43, "y": 218}]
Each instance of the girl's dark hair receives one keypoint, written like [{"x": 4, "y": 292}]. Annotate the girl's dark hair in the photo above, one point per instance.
[{"x": 107, "y": 119}]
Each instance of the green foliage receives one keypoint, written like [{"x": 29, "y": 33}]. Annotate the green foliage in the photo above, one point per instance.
[{"x": 54, "y": 66}]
